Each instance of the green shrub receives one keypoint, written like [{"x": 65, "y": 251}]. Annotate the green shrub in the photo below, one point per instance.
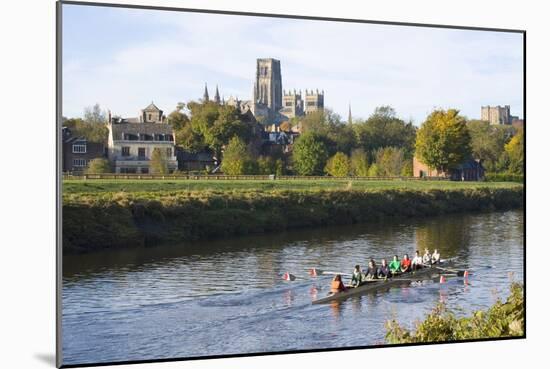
[
  {"x": 503, "y": 319},
  {"x": 504, "y": 177},
  {"x": 99, "y": 166}
]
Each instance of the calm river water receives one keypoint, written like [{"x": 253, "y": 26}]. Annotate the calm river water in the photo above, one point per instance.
[{"x": 228, "y": 297}]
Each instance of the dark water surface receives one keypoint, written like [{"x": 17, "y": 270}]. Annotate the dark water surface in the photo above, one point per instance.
[{"x": 227, "y": 296}]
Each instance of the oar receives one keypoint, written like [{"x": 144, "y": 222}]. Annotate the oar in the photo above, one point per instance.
[
  {"x": 289, "y": 277},
  {"x": 459, "y": 273},
  {"x": 314, "y": 272},
  {"x": 334, "y": 273}
]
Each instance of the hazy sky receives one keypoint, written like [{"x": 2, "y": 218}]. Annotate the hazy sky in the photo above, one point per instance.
[{"x": 125, "y": 58}]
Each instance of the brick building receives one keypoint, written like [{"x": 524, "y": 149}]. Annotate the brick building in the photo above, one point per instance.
[{"x": 78, "y": 152}]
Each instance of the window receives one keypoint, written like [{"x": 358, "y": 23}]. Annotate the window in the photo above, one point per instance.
[
  {"x": 125, "y": 151},
  {"x": 311, "y": 103},
  {"x": 141, "y": 152},
  {"x": 144, "y": 170},
  {"x": 128, "y": 170},
  {"x": 288, "y": 103},
  {"x": 149, "y": 117},
  {"x": 79, "y": 148},
  {"x": 80, "y": 163},
  {"x": 169, "y": 152}
]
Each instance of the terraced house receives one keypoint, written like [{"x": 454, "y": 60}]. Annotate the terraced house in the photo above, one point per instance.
[{"x": 131, "y": 141}]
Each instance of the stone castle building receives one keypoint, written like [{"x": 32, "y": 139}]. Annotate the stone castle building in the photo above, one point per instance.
[{"x": 497, "y": 114}]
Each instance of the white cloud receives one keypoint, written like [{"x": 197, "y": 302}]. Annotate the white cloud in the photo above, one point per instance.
[{"x": 413, "y": 69}]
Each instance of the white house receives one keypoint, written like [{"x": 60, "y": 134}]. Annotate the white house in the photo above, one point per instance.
[{"x": 131, "y": 141}]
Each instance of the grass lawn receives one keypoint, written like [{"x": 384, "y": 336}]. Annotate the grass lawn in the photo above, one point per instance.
[{"x": 129, "y": 185}]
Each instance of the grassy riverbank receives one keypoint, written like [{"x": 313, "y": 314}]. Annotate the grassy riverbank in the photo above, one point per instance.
[
  {"x": 111, "y": 214},
  {"x": 131, "y": 185}
]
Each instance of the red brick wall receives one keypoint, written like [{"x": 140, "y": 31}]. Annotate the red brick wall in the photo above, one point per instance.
[{"x": 419, "y": 167}]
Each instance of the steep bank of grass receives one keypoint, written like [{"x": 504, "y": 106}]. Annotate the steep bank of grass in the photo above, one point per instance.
[{"x": 93, "y": 221}]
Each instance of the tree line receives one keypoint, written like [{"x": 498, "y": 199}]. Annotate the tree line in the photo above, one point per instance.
[{"x": 381, "y": 145}]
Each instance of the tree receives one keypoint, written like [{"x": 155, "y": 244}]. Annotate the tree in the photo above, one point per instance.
[
  {"x": 337, "y": 135},
  {"x": 217, "y": 124},
  {"x": 309, "y": 154},
  {"x": 266, "y": 165},
  {"x": 91, "y": 131},
  {"x": 359, "y": 163},
  {"x": 237, "y": 159},
  {"x": 177, "y": 119},
  {"x": 488, "y": 142},
  {"x": 338, "y": 165},
  {"x": 390, "y": 161},
  {"x": 407, "y": 168},
  {"x": 94, "y": 115},
  {"x": 443, "y": 141},
  {"x": 99, "y": 166},
  {"x": 515, "y": 153},
  {"x": 385, "y": 129},
  {"x": 374, "y": 171},
  {"x": 158, "y": 163},
  {"x": 190, "y": 139}
]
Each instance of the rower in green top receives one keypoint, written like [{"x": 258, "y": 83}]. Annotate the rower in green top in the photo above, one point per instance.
[
  {"x": 395, "y": 265},
  {"x": 357, "y": 276}
]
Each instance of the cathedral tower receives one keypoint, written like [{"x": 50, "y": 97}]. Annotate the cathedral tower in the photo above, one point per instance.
[{"x": 268, "y": 87}]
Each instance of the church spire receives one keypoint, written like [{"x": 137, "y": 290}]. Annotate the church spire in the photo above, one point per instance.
[
  {"x": 217, "y": 96},
  {"x": 205, "y": 97},
  {"x": 350, "y": 120}
]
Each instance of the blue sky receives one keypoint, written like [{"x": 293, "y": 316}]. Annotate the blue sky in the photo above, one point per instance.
[{"x": 125, "y": 58}]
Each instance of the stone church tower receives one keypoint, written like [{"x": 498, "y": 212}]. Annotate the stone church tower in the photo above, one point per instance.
[{"x": 268, "y": 87}]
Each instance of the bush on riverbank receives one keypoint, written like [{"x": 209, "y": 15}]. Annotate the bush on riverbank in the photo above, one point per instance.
[
  {"x": 504, "y": 177},
  {"x": 503, "y": 319},
  {"x": 113, "y": 220}
]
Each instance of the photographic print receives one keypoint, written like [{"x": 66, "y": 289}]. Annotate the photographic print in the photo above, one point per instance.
[{"x": 240, "y": 184}]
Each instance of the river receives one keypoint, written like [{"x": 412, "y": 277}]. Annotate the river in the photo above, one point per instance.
[{"x": 227, "y": 296}]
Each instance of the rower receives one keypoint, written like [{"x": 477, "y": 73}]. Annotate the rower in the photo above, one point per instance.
[
  {"x": 337, "y": 285},
  {"x": 416, "y": 261},
  {"x": 372, "y": 272},
  {"x": 357, "y": 276},
  {"x": 435, "y": 257},
  {"x": 427, "y": 258},
  {"x": 405, "y": 264},
  {"x": 384, "y": 270},
  {"x": 395, "y": 265}
]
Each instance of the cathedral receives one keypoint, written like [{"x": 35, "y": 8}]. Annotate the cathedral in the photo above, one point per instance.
[{"x": 270, "y": 103}]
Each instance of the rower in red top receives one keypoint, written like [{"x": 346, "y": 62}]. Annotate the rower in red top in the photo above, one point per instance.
[
  {"x": 405, "y": 264},
  {"x": 337, "y": 285}
]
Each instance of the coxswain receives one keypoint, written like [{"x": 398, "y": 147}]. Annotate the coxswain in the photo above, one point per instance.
[{"x": 337, "y": 285}]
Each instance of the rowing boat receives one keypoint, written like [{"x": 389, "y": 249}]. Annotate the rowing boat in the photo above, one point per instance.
[{"x": 378, "y": 284}]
